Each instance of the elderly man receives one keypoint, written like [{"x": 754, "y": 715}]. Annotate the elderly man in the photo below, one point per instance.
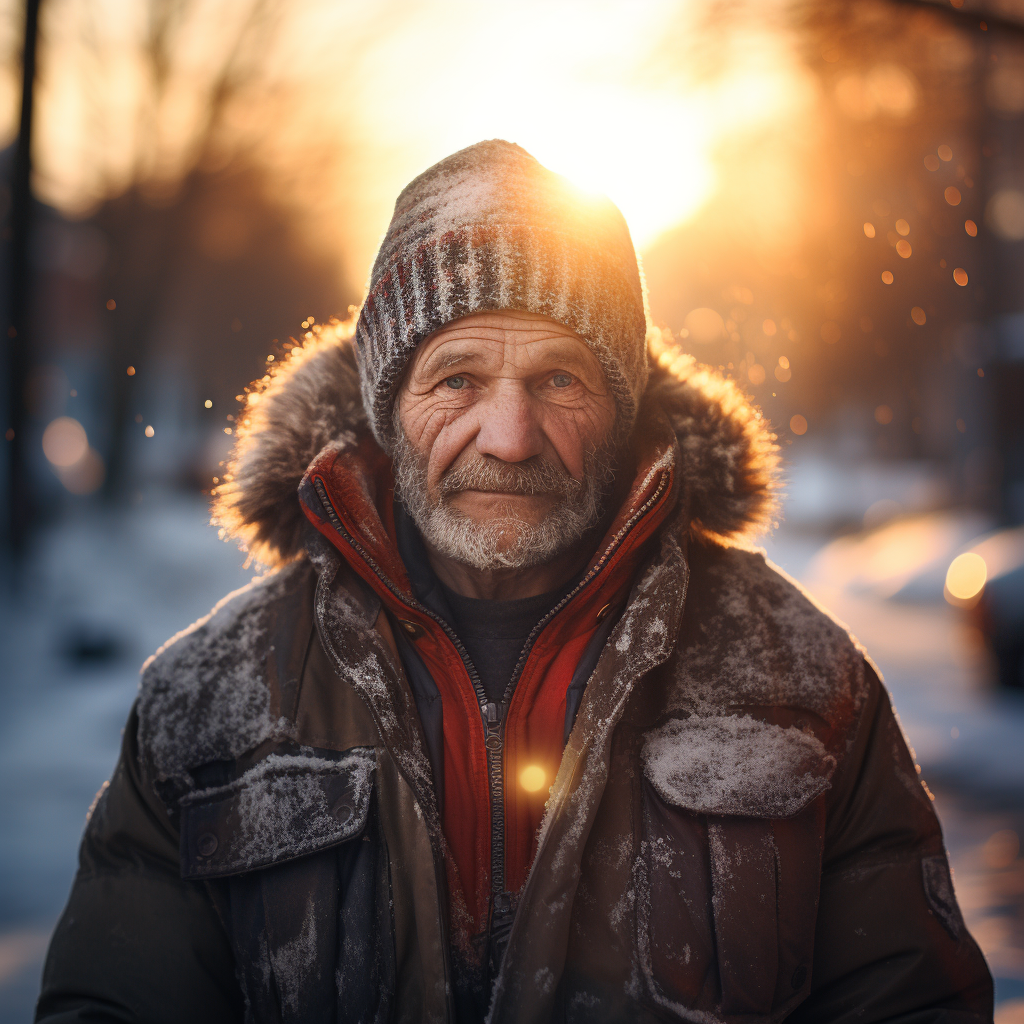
[{"x": 519, "y": 727}]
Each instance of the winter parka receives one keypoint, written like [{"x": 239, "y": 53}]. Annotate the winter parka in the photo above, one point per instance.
[{"x": 736, "y": 830}]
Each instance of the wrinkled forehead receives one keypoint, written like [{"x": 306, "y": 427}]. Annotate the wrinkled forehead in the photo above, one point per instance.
[{"x": 504, "y": 339}]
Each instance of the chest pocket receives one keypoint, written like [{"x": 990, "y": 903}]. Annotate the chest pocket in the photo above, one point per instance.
[
  {"x": 293, "y": 849},
  {"x": 728, "y": 886},
  {"x": 284, "y": 807}
]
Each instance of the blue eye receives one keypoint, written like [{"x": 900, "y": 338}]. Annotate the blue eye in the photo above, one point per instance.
[
  {"x": 561, "y": 380},
  {"x": 456, "y": 382}
]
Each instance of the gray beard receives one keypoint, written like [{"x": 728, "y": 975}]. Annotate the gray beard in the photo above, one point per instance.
[{"x": 506, "y": 541}]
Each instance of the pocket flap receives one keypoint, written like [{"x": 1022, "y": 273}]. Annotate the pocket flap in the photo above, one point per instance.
[
  {"x": 735, "y": 764},
  {"x": 282, "y": 808}
]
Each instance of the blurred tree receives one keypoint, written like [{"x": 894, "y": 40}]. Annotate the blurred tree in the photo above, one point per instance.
[
  {"x": 206, "y": 262},
  {"x": 187, "y": 166}
]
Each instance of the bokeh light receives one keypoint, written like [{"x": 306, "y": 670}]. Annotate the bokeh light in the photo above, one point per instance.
[
  {"x": 1004, "y": 213},
  {"x": 1001, "y": 849},
  {"x": 966, "y": 577},
  {"x": 704, "y": 325},
  {"x": 65, "y": 442},
  {"x": 86, "y": 475}
]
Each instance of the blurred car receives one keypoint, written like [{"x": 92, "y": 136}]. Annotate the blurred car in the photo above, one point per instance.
[{"x": 988, "y": 581}]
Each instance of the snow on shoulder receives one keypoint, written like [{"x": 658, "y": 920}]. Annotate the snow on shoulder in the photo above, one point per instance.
[{"x": 204, "y": 695}]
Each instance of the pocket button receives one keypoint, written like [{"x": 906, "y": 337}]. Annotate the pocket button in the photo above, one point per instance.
[{"x": 206, "y": 845}]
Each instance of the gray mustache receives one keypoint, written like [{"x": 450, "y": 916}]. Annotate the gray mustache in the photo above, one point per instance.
[{"x": 510, "y": 478}]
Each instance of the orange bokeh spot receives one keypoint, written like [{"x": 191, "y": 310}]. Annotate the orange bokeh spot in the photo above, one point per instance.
[
  {"x": 831, "y": 332},
  {"x": 532, "y": 778},
  {"x": 966, "y": 576}
]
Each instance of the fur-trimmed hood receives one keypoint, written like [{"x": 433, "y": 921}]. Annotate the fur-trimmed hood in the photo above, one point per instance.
[{"x": 311, "y": 398}]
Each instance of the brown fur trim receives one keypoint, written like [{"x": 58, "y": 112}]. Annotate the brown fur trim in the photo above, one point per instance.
[
  {"x": 728, "y": 461},
  {"x": 311, "y": 399}
]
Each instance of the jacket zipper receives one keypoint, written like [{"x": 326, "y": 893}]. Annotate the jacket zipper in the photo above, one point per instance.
[
  {"x": 498, "y": 868},
  {"x": 492, "y": 715}
]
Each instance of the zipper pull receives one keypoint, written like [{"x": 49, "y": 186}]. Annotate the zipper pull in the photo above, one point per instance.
[{"x": 490, "y": 713}]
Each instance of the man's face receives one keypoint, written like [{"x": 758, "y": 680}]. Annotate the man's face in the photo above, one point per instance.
[{"x": 504, "y": 447}]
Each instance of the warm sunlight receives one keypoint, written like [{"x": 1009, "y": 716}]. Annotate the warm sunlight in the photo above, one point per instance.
[
  {"x": 623, "y": 99},
  {"x": 588, "y": 95}
]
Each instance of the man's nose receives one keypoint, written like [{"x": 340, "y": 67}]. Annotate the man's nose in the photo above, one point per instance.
[{"x": 509, "y": 426}]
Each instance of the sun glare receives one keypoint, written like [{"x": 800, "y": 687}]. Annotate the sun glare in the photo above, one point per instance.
[
  {"x": 572, "y": 85},
  {"x": 622, "y": 99}
]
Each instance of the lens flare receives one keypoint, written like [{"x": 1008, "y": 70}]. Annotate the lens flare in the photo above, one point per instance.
[{"x": 532, "y": 778}]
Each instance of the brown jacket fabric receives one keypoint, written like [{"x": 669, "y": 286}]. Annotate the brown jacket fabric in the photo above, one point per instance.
[{"x": 736, "y": 832}]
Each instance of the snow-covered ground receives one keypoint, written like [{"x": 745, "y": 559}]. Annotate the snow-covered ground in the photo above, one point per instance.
[
  {"x": 104, "y": 590},
  {"x": 100, "y": 594}
]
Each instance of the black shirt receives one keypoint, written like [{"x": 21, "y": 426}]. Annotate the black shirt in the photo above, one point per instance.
[{"x": 494, "y": 633}]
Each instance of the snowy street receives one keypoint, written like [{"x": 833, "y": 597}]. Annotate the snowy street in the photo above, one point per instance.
[{"x": 103, "y": 592}]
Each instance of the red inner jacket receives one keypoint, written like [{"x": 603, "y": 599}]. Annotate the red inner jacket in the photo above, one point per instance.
[{"x": 360, "y": 485}]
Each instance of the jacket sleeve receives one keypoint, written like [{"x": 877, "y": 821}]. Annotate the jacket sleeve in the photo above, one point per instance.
[
  {"x": 890, "y": 943},
  {"x": 136, "y": 942}
]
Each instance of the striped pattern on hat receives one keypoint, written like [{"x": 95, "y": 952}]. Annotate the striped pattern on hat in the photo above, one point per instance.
[{"x": 491, "y": 228}]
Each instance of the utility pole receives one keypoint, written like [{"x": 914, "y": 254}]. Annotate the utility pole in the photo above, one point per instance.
[{"x": 19, "y": 286}]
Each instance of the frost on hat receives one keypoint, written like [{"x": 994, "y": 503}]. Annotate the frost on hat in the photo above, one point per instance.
[{"x": 491, "y": 228}]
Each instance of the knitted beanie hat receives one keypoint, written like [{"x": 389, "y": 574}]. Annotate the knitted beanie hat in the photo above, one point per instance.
[{"x": 490, "y": 228}]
